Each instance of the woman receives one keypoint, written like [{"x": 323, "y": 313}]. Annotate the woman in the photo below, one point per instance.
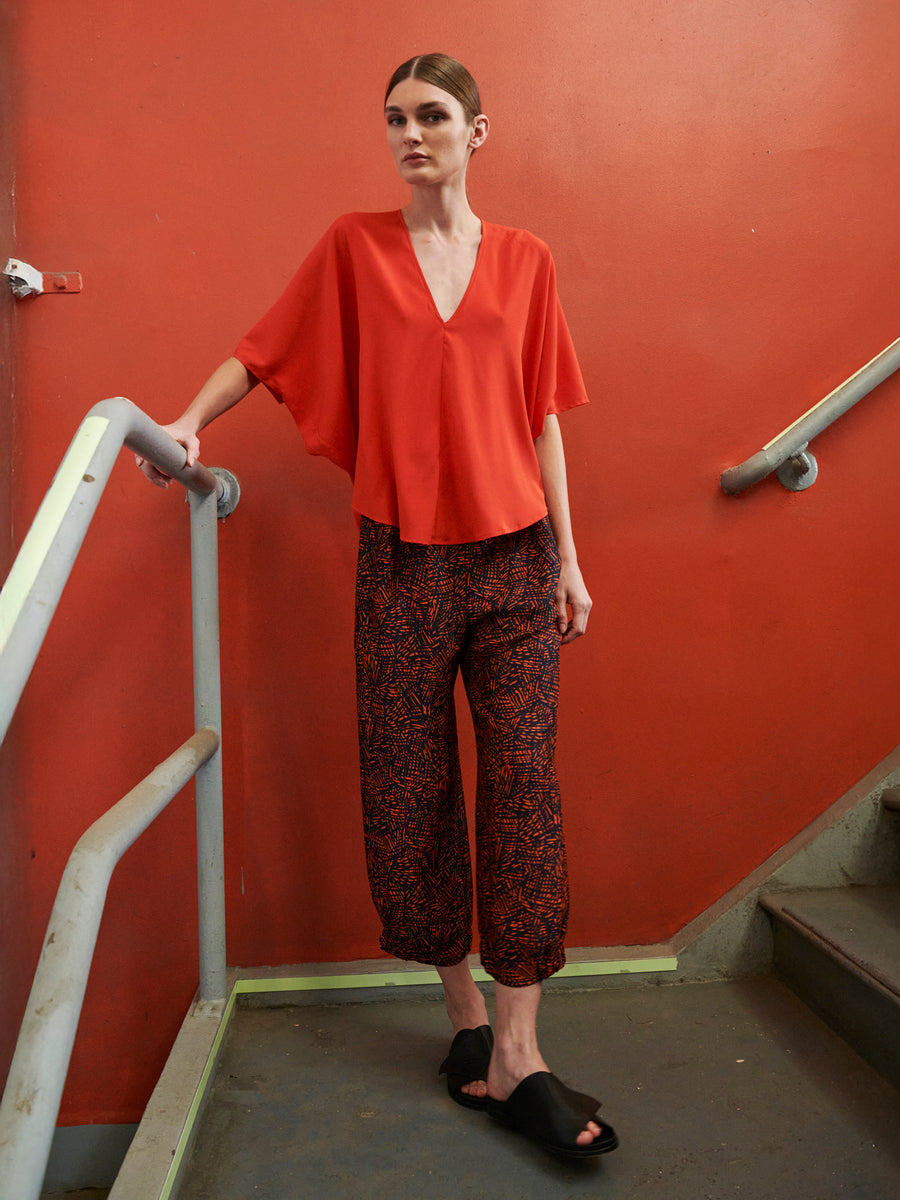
[{"x": 425, "y": 352}]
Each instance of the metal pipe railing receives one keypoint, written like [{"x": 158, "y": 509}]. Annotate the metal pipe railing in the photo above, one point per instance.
[
  {"x": 791, "y": 443},
  {"x": 35, "y": 583},
  {"x": 208, "y": 711},
  {"x": 27, "y": 604},
  {"x": 37, "y": 1075}
]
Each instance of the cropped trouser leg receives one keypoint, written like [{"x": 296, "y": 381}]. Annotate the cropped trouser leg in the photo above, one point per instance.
[
  {"x": 511, "y": 673},
  {"x": 424, "y": 613}
]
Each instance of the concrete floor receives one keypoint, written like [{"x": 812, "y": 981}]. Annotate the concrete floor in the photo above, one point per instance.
[
  {"x": 82, "y": 1194},
  {"x": 716, "y": 1090}
]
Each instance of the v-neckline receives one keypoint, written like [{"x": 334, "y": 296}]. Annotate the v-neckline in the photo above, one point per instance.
[{"x": 418, "y": 265}]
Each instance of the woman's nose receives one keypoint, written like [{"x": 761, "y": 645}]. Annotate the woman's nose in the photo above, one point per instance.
[{"x": 413, "y": 133}]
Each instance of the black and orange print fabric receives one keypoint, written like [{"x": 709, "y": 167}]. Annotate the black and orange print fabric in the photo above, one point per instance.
[{"x": 424, "y": 613}]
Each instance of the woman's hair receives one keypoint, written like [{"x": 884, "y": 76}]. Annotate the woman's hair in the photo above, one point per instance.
[{"x": 444, "y": 72}]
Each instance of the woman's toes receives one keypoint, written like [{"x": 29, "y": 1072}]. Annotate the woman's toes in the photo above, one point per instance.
[{"x": 587, "y": 1135}]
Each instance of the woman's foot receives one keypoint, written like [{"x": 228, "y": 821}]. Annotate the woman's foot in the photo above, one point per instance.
[
  {"x": 511, "y": 1065},
  {"x": 467, "y": 1010},
  {"x": 555, "y": 1117},
  {"x": 466, "y": 1066},
  {"x": 516, "y": 1054}
]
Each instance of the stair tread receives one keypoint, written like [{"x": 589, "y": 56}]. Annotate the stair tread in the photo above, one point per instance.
[{"x": 861, "y": 924}]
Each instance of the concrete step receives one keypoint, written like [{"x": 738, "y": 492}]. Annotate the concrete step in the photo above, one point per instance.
[{"x": 839, "y": 950}]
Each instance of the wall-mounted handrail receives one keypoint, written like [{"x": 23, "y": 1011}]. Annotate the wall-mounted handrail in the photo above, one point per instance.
[
  {"x": 792, "y": 442},
  {"x": 27, "y": 603}
]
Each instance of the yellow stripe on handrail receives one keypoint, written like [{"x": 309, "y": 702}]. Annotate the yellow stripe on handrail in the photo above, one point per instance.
[{"x": 47, "y": 523}]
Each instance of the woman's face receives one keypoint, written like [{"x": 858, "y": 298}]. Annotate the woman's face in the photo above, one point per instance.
[{"x": 428, "y": 134}]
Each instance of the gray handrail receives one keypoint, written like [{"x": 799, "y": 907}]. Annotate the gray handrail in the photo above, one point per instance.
[
  {"x": 37, "y": 1075},
  {"x": 35, "y": 583},
  {"x": 790, "y": 445},
  {"x": 27, "y": 603}
]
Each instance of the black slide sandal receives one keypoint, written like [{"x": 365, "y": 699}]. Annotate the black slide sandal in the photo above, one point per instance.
[
  {"x": 544, "y": 1110},
  {"x": 468, "y": 1060}
]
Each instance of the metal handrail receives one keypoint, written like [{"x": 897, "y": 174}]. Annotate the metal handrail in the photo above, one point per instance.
[
  {"x": 27, "y": 603},
  {"x": 35, "y": 583},
  {"x": 38, "y": 1071},
  {"x": 790, "y": 445}
]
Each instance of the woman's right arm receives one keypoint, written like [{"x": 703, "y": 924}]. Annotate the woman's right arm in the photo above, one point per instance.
[{"x": 225, "y": 387}]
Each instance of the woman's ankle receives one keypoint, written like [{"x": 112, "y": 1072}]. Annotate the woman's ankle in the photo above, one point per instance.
[{"x": 466, "y": 1006}]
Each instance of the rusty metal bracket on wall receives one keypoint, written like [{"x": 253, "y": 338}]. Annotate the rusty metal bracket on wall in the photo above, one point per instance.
[{"x": 26, "y": 280}]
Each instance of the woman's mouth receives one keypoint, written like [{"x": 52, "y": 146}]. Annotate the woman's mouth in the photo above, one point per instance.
[{"x": 415, "y": 157}]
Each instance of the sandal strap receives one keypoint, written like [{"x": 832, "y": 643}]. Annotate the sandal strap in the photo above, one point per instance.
[
  {"x": 470, "y": 1055},
  {"x": 544, "y": 1109}
]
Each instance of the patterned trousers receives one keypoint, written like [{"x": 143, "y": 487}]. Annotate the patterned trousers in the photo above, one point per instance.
[{"x": 424, "y": 613}]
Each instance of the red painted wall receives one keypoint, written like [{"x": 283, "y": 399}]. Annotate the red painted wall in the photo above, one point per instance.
[
  {"x": 15, "y": 950},
  {"x": 717, "y": 184}
]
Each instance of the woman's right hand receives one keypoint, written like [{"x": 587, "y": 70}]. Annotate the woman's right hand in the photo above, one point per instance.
[
  {"x": 186, "y": 435},
  {"x": 228, "y": 384}
]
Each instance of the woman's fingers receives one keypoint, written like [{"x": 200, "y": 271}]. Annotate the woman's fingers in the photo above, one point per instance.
[
  {"x": 186, "y": 438},
  {"x": 150, "y": 472},
  {"x": 572, "y": 596},
  {"x": 577, "y": 627},
  {"x": 562, "y": 614}
]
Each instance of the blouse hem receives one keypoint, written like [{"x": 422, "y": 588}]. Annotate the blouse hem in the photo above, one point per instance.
[{"x": 513, "y": 526}]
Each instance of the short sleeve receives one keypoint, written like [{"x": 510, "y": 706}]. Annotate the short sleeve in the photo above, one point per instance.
[
  {"x": 306, "y": 350},
  {"x": 553, "y": 377}
]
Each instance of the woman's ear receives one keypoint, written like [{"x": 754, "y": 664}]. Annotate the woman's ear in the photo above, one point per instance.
[{"x": 480, "y": 128}]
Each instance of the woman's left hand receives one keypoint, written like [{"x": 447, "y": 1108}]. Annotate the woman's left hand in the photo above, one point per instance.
[{"x": 571, "y": 594}]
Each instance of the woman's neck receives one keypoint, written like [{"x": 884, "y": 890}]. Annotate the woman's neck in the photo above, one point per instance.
[{"x": 443, "y": 211}]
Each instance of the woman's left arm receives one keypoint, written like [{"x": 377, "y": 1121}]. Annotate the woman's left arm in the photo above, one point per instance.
[{"x": 570, "y": 591}]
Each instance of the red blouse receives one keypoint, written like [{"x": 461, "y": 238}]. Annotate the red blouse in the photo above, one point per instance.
[{"x": 434, "y": 420}]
